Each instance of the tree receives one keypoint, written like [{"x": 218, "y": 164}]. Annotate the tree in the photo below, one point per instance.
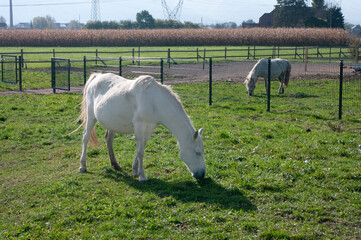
[
  {"x": 47, "y": 22},
  {"x": 110, "y": 25},
  {"x": 319, "y": 4},
  {"x": 40, "y": 23},
  {"x": 51, "y": 22},
  {"x": 74, "y": 25},
  {"x": 145, "y": 20},
  {"x": 335, "y": 17},
  {"x": 2, "y": 19},
  {"x": 94, "y": 25},
  {"x": 290, "y": 13},
  {"x": 127, "y": 24}
]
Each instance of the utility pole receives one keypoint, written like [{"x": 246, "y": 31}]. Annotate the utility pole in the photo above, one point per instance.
[
  {"x": 331, "y": 15},
  {"x": 11, "y": 14}
]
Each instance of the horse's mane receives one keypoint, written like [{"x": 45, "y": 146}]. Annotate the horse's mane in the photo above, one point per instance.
[
  {"x": 149, "y": 81},
  {"x": 252, "y": 72}
]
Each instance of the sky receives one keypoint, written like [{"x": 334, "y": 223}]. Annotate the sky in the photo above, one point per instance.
[{"x": 196, "y": 11}]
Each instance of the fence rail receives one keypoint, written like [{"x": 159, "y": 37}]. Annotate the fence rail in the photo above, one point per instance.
[{"x": 306, "y": 53}]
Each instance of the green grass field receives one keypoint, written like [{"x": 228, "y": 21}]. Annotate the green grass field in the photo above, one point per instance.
[{"x": 292, "y": 173}]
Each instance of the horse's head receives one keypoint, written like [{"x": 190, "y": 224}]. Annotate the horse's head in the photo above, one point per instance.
[
  {"x": 192, "y": 154},
  {"x": 250, "y": 85}
]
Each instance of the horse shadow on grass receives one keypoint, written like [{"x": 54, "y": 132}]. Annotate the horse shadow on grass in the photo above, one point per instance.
[{"x": 205, "y": 191}]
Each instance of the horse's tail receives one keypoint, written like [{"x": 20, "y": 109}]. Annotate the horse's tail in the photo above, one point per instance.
[
  {"x": 94, "y": 141},
  {"x": 288, "y": 73}
]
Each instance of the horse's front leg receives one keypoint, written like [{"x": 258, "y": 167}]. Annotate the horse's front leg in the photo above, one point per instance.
[
  {"x": 266, "y": 84},
  {"x": 138, "y": 168},
  {"x": 142, "y": 132},
  {"x": 281, "y": 89},
  {"x": 109, "y": 137}
]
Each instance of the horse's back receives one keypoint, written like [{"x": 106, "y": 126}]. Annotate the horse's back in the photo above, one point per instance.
[{"x": 116, "y": 100}]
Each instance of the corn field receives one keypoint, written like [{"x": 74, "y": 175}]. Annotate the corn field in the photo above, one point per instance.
[{"x": 175, "y": 37}]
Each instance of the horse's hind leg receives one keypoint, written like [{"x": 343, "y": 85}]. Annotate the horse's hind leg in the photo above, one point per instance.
[
  {"x": 86, "y": 136},
  {"x": 109, "y": 137}
]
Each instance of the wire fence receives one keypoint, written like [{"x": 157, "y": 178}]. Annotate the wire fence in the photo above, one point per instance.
[{"x": 312, "y": 78}]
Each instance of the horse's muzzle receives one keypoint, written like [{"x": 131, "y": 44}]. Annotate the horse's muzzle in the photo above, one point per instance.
[{"x": 199, "y": 174}]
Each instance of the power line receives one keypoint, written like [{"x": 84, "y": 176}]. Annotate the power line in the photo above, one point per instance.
[{"x": 43, "y": 4}]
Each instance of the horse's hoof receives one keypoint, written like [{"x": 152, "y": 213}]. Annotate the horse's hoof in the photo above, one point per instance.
[
  {"x": 143, "y": 180},
  {"x": 117, "y": 167},
  {"x": 82, "y": 170}
]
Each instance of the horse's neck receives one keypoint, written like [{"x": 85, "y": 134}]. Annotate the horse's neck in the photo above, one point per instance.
[
  {"x": 260, "y": 70},
  {"x": 176, "y": 121}
]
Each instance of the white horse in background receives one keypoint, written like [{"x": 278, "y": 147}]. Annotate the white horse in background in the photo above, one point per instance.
[
  {"x": 138, "y": 106},
  {"x": 280, "y": 69}
]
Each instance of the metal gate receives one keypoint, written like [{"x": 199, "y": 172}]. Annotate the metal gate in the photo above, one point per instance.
[
  {"x": 60, "y": 74},
  {"x": 9, "y": 69}
]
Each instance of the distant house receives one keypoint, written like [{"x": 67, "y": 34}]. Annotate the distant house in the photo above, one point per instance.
[
  {"x": 249, "y": 25},
  {"x": 266, "y": 20},
  {"x": 356, "y": 30},
  {"x": 23, "y": 25}
]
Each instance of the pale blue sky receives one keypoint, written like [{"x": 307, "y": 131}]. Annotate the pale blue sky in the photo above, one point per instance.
[{"x": 208, "y": 11}]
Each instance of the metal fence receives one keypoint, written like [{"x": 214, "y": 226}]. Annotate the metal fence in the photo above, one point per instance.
[
  {"x": 305, "y": 53},
  {"x": 67, "y": 73}
]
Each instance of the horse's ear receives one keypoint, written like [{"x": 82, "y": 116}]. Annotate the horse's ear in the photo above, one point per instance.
[
  {"x": 198, "y": 133},
  {"x": 195, "y": 135}
]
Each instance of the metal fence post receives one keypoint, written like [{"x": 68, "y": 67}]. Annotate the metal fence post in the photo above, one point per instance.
[
  {"x": 20, "y": 74},
  {"x": 22, "y": 57},
  {"x": 53, "y": 75},
  {"x": 340, "y": 94},
  {"x": 161, "y": 71},
  {"x": 210, "y": 81},
  {"x": 69, "y": 69},
  {"x": 138, "y": 55},
  {"x": 120, "y": 66},
  {"x": 84, "y": 69},
  {"x": 2, "y": 68},
  {"x": 269, "y": 86},
  {"x": 168, "y": 58},
  {"x": 133, "y": 55}
]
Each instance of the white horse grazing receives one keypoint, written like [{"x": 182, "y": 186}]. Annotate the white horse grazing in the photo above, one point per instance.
[
  {"x": 280, "y": 69},
  {"x": 138, "y": 106}
]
